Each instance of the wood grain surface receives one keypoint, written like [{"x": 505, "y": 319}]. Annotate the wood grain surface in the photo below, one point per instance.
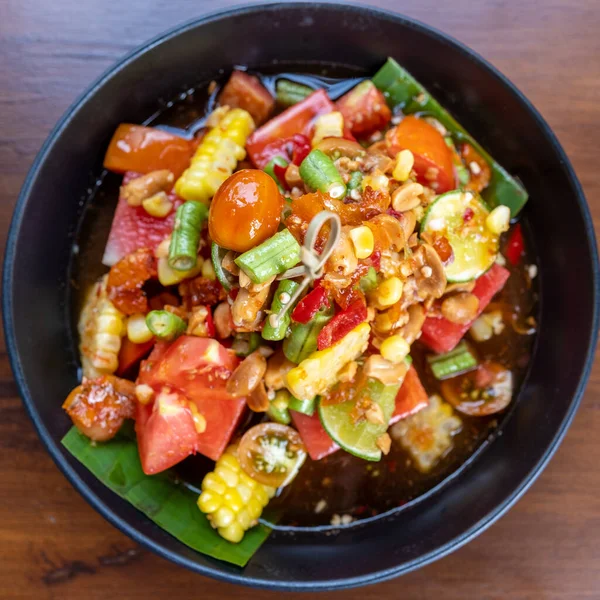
[{"x": 53, "y": 545}]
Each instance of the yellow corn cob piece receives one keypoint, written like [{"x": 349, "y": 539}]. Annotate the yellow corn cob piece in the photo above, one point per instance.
[
  {"x": 329, "y": 125},
  {"x": 317, "y": 373},
  {"x": 232, "y": 501},
  {"x": 427, "y": 436},
  {"x": 101, "y": 327},
  {"x": 216, "y": 157}
]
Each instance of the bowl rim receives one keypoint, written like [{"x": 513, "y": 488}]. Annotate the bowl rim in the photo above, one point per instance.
[{"x": 54, "y": 448}]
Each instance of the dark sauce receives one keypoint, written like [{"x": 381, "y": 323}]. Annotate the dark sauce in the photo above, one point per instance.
[{"x": 339, "y": 484}]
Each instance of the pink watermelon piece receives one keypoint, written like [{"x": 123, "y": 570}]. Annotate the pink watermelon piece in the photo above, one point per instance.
[
  {"x": 133, "y": 228},
  {"x": 441, "y": 335}
]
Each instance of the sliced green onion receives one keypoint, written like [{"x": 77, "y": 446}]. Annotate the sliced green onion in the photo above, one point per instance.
[
  {"x": 183, "y": 249},
  {"x": 278, "y": 408},
  {"x": 460, "y": 360},
  {"x": 165, "y": 325},
  {"x": 289, "y": 93},
  {"x": 245, "y": 343},
  {"x": 217, "y": 254},
  {"x": 355, "y": 181},
  {"x": 306, "y": 407},
  {"x": 273, "y": 256},
  {"x": 368, "y": 282},
  {"x": 319, "y": 173},
  {"x": 269, "y": 170},
  {"x": 302, "y": 340},
  {"x": 276, "y": 327}
]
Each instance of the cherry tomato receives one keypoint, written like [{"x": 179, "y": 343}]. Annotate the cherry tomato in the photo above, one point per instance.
[
  {"x": 145, "y": 149},
  {"x": 364, "y": 109},
  {"x": 247, "y": 92},
  {"x": 482, "y": 392},
  {"x": 245, "y": 211},
  {"x": 433, "y": 158},
  {"x": 271, "y": 454}
]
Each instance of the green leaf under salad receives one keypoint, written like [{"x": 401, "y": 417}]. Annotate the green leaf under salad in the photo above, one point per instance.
[{"x": 169, "y": 504}]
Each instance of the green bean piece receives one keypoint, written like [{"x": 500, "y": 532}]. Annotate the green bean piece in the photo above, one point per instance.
[
  {"x": 227, "y": 280},
  {"x": 270, "y": 170},
  {"x": 165, "y": 325},
  {"x": 273, "y": 256},
  {"x": 319, "y": 173},
  {"x": 289, "y": 93},
  {"x": 460, "y": 360},
  {"x": 183, "y": 250},
  {"x": 302, "y": 340},
  {"x": 306, "y": 407},
  {"x": 368, "y": 282},
  {"x": 355, "y": 181},
  {"x": 245, "y": 344},
  {"x": 275, "y": 329},
  {"x": 278, "y": 408}
]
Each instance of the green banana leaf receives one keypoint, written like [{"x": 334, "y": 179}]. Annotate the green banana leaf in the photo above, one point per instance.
[{"x": 169, "y": 504}]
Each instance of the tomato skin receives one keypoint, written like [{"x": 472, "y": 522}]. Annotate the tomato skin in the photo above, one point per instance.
[
  {"x": 198, "y": 368},
  {"x": 145, "y": 149},
  {"x": 296, "y": 119},
  {"x": 130, "y": 354},
  {"x": 515, "y": 246},
  {"x": 341, "y": 324},
  {"x": 245, "y": 211},
  {"x": 247, "y": 92},
  {"x": 429, "y": 150},
  {"x": 364, "y": 109}
]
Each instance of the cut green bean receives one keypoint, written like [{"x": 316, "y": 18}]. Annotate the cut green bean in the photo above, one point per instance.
[
  {"x": 278, "y": 408},
  {"x": 460, "y": 360},
  {"x": 306, "y": 407},
  {"x": 355, "y": 181},
  {"x": 217, "y": 254},
  {"x": 183, "y": 249},
  {"x": 275, "y": 328},
  {"x": 320, "y": 173},
  {"x": 245, "y": 344},
  {"x": 165, "y": 325},
  {"x": 289, "y": 93},
  {"x": 275, "y": 255},
  {"x": 403, "y": 91},
  {"x": 368, "y": 282},
  {"x": 302, "y": 340},
  {"x": 270, "y": 170}
]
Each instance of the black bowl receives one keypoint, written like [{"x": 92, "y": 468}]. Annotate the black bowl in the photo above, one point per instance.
[{"x": 52, "y": 200}]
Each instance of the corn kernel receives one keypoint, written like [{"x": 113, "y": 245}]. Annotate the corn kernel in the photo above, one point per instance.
[
  {"x": 223, "y": 516},
  {"x": 109, "y": 342},
  {"x": 212, "y": 482},
  {"x": 168, "y": 276},
  {"x": 227, "y": 475},
  {"x": 404, "y": 164},
  {"x": 389, "y": 292},
  {"x": 208, "y": 271},
  {"x": 110, "y": 323},
  {"x": 363, "y": 241},
  {"x": 376, "y": 181},
  {"x": 498, "y": 221},
  {"x": 144, "y": 393},
  {"x": 137, "y": 330},
  {"x": 395, "y": 349},
  {"x": 232, "y": 533},
  {"x": 229, "y": 461},
  {"x": 247, "y": 480},
  {"x": 158, "y": 206},
  {"x": 329, "y": 125},
  {"x": 243, "y": 518},
  {"x": 254, "y": 509},
  {"x": 261, "y": 495},
  {"x": 233, "y": 499},
  {"x": 209, "y": 502},
  {"x": 245, "y": 492}
]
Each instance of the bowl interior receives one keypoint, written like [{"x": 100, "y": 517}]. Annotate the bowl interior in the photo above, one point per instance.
[{"x": 36, "y": 310}]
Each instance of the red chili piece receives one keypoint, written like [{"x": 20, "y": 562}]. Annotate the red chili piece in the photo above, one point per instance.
[
  {"x": 515, "y": 246},
  {"x": 210, "y": 324},
  {"x": 310, "y": 305},
  {"x": 343, "y": 323}
]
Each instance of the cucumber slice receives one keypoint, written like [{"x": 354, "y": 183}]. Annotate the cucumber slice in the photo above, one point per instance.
[
  {"x": 460, "y": 217},
  {"x": 359, "y": 439}
]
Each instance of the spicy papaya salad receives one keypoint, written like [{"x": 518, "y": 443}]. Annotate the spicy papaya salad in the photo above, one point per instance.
[{"x": 322, "y": 294}]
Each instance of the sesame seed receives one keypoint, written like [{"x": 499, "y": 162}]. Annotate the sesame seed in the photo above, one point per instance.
[{"x": 474, "y": 168}]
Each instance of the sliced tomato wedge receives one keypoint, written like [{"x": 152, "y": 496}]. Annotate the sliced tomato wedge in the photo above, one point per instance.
[
  {"x": 165, "y": 431},
  {"x": 433, "y": 158},
  {"x": 442, "y": 335},
  {"x": 296, "y": 119},
  {"x": 145, "y": 149},
  {"x": 199, "y": 368},
  {"x": 247, "y": 92},
  {"x": 364, "y": 109}
]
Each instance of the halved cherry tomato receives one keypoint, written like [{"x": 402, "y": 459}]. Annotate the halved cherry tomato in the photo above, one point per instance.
[
  {"x": 364, "y": 109},
  {"x": 271, "y": 454},
  {"x": 247, "y": 92},
  {"x": 482, "y": 392},
  {"x": 245, "y": 211},
  {"x": 433, "y": 158},
  {"x": 145, "y": 149}
]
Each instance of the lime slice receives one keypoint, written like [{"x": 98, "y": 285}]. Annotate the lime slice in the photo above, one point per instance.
[
  {"x": 360, "y": 439},
  {"x": 460, "y": 217}
]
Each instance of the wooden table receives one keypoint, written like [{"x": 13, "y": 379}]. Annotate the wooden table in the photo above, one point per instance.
[{"x": 53, "y": 545}]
